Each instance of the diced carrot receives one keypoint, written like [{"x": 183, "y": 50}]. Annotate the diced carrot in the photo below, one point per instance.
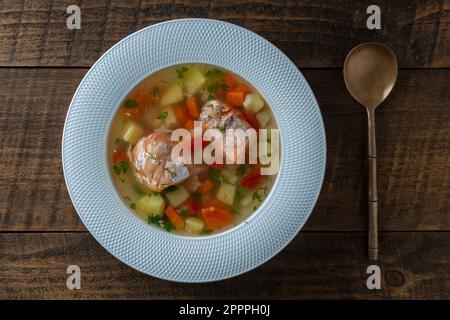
[
  {"x": 175, "y": 218},
  {"x": 205, "y": 186},
  {"x": 193, "y": 106},
  {"x": 241, "y": 88},
  {"x": 250, "y": 118},
  {"x": 217, "y": 166},
  {"x": 204, "y": 144},
  {"x": 214, "y": 202},
  {"x": 252, "y": 179},
  {"x": 119, "y": 155},
  {"x": 143, "y": 98},
  {"x": 192, "y": 205},
  {"x": 235, "y": 98},
  {"x": 216, "y": 218},
  {"x": 181, "y": 113},
  {"x": 189, "y": 124},
  {"x": 229, "y": 80}
]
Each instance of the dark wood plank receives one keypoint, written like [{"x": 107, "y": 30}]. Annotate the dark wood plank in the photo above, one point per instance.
[
  {"x": 315, "y": 265},
  {"x": 313, "y": 33},
  {"x": 413, "y": 160}
]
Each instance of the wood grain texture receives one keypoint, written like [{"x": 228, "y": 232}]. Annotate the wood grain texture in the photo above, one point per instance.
[
  {"x": 314, "y": 265},
  {"x": 313, "y": 33},
  {"x": 413, "y": 128}
]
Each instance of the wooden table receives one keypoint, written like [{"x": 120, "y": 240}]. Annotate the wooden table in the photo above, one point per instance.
[{"x": 42, "y": 63}]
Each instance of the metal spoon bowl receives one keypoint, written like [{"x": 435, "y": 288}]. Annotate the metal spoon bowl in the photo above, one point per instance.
[{"x": 370, "y": 73}]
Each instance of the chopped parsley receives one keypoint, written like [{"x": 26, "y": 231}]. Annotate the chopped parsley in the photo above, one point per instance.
[
  {"x": 160, "y": 221},
  {"x": 117, "y": 141},
  {"x": 162, "y": 116},
  {"x": 241, "y": 170},
  {"x": 155, "y": 91},
  {"x": 170, "y": 189},
  {"x": 256, "y": 196},
  {"x": 215, "y": 85},
  {"x": 172, "y": 173},
  {"x": 238, "y": 194},
  {"x": 206, "y": 231},
  {"x": 124, "y": 165},
  {"x": 117, "y": 170},
  {"x": 211, "y": 97},
  {"x": 127, "y": 198},
  {"x": 214, "y": 73},
  {"x": 137, "y": 189},
  {"x": 133, "y": 205},
  {"x": 222, "y": 129},
  {"x": 180, "y": 72},
  {"x": 214, "y": 174},
  {"x": 185, "y": 213},
  {"x": 131, "y": 104}
]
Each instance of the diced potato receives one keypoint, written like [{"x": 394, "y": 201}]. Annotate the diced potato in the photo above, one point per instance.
[
  {"x": 229, "y": 176},
  {"x": 263, "y": 118},
  {"x": 178, "y": 196},
  {"x": 226, "y": 193},
  {"x": 172, "y": 95},
  {"x": 204, "y": 96},
  {"x": 253, "y": 103},
  {"x": 166, "y": 117},
  {"x": 245, "y": 201},
  {"x": 193, "y": 225},
  {"x": 193, "y": 80},
  {"x": 152, "y": 204},
  {"x": 131, "y": 132}
]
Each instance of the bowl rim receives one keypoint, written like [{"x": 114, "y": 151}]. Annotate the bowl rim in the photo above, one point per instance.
[{"x": 322, "y": 173}]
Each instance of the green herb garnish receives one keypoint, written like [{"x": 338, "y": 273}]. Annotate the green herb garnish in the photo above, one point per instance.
[
  {"x": 180, "y": 72},
  {"x": 162, "y": 116},
  {"x": 170, "y": 189},
  {"x": 124, "y": 165},
  {"x": 117, "y": 170},
  {"x": 133, "y": 205},
  {"x": 117, "y": 141},
  {"x": 185, "y": 213},
  {"x": 162, "y": 222},
  {"x": 256, "y": 196},
  {"x": 241, "y": 170},
  {"x": 172, "y": 173},
  {"x": 206, "y": 231},
  {"x": 214, "y": 174},
  {"x": 155, "y": 91},
  {"x": 214, "y": 73},
  {"x": 211, "y": 97},
  {"x": 131, "y": 104}
]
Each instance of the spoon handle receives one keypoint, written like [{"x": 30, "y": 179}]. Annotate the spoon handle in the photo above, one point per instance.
[{"x": 373, "y": 198}]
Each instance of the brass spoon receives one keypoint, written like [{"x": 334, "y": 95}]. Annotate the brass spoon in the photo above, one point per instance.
[{"x": 370, "y": 72}]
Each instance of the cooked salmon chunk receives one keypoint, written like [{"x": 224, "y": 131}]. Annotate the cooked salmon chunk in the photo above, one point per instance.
[
  {"x": 219, "y": 115},
  {"x": 152, "y": 164}
]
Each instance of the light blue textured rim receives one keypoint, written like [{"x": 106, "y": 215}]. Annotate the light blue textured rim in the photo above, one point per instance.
[{"x": 159, "y": 253}]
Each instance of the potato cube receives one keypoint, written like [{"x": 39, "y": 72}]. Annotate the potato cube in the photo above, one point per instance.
[
  {"x": 131, "y": 132},
  {"x": 253, "y": 103},
  {"x": 172, "y": 95},
  {"x": 263, "y": 118},
  {"x": 226, "y": 193},
  {"x": 193, "y": 225},
  {"x": 165, "y": 117},
  {"x": 178, "y": 196},
  {"x": 152, "y": 204},
  {"x": 193, "y": 80}
]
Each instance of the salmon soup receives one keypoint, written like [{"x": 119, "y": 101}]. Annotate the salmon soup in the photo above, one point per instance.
[{"x": 180, "y": 197}]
